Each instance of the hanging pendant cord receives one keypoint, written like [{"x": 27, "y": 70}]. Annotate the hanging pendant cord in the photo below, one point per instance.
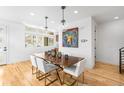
[
  {"x": 63, "y": 20},
  {"x": 63, "y": 16},
  {"x": 46, "y": 22}
]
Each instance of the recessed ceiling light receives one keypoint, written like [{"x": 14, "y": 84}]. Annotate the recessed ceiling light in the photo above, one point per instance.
[
  {"x": 116, "y": 17},
  {"x": 75, "y": 11},
  {"x": 52, "y": 22},
  {"x": 32, "y": 14}
]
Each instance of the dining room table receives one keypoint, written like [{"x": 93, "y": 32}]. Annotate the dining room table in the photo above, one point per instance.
[{"x": 62, "y": 62}]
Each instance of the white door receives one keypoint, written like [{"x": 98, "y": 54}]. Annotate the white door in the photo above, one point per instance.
[{"x": 3, "y": 45}]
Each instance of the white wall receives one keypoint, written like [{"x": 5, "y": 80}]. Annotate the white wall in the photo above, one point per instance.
[
  {"x": 110, "y": 37},
  {"x": 85, "y": 49},
  {"x": 16, "y": 43}
]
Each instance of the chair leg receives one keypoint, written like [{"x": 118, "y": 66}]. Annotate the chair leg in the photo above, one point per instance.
[
  {"x": 45, "y": 80},
  {"x": 58, "y": 77},
  {"x": 36, "y": 72},
  {"x": 44, "y": 76},
  {"x": 83, "y": 77},
  {"x": 63, "y": 77},
  {"x": 32, "y": 69},
  {"x": 70, "y": 76},
  {"x": 77, "y": 80}
]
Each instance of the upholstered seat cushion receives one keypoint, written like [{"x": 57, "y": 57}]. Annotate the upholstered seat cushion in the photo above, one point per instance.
[
  {"x": 38, "y": 54},
  {"x": 71, "y": 70},
  {"x": 75, "y": 70},
  {"x": 33, "y": 61},
  {"x": 50, "y": 67}
]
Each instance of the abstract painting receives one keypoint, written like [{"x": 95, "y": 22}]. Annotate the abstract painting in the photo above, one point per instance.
[{"x": 70, "y": 37}]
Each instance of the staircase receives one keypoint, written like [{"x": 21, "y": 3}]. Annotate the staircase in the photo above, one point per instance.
[{"x": 121, "y": 59}]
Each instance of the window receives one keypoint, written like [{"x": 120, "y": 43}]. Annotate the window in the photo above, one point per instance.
[{"x": 35, "y": 37}]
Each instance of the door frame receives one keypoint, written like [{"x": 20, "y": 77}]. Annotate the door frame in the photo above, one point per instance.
[{"x": 7, "y": 52}]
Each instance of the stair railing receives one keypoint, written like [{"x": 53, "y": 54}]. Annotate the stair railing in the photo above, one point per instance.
[{"x": 120, "y": 59}]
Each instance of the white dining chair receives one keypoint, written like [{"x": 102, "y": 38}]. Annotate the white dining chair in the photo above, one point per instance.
[
  {"x": 34, "y": 65},
  {"x": 75, "y": 70},
  {"x": 45, "y": 68},
  {"x": 38, "y": 54}
]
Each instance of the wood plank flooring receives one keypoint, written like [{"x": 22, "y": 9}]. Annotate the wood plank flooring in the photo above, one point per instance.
[
  {"x": 104, "y": 74},
  {"x": 20, "y": 74}
]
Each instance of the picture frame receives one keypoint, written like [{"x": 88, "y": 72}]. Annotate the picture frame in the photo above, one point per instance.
[{"x": 70, "y": 37}]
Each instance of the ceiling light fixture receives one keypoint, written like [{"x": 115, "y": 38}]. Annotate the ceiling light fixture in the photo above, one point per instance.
[
  {"x": 32, "y": 14},
  {"x": 116, "y": 17},
  {"x": 76, "y": 12},
  {"x": 46, "y": 27},
  {"x": 63, "y": 19}
]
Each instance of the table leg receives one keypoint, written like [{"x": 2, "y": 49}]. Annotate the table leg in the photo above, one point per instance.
[
  {"x": 63, "y": 75},
  {"x": 59, "y": 77}
]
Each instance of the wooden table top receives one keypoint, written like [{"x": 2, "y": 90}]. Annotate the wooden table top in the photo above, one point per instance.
[{"x": 62, "y": 62}]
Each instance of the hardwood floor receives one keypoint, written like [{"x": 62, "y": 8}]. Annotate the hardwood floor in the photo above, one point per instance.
[
  {"x": 20, "y": 74},
  {"x": 104, "y": 74}
]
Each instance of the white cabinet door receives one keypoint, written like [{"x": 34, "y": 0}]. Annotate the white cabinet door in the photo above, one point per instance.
[{"x": 3, "y": 45}]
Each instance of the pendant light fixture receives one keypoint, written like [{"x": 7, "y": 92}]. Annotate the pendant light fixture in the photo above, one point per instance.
[
  {"x": 46, "y": 27},
  {"x": 63, "y": 19}
]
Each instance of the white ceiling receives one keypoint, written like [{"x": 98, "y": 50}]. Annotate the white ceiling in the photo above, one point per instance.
[{"x": 101, "y": 14}]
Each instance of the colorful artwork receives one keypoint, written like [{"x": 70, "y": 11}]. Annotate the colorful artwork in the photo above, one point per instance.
[{"x": 70, "y": 38}]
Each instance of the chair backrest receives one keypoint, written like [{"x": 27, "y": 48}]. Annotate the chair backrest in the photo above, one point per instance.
[
  {"x": 33, "y": 60},
  {"x": 80, "y": 67},
  {"x": 38, "y": 54},
  {"x": 41, "y": 64}
]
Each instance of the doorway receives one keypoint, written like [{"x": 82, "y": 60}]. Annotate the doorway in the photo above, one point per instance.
[{"x": 3, "y": 45}]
